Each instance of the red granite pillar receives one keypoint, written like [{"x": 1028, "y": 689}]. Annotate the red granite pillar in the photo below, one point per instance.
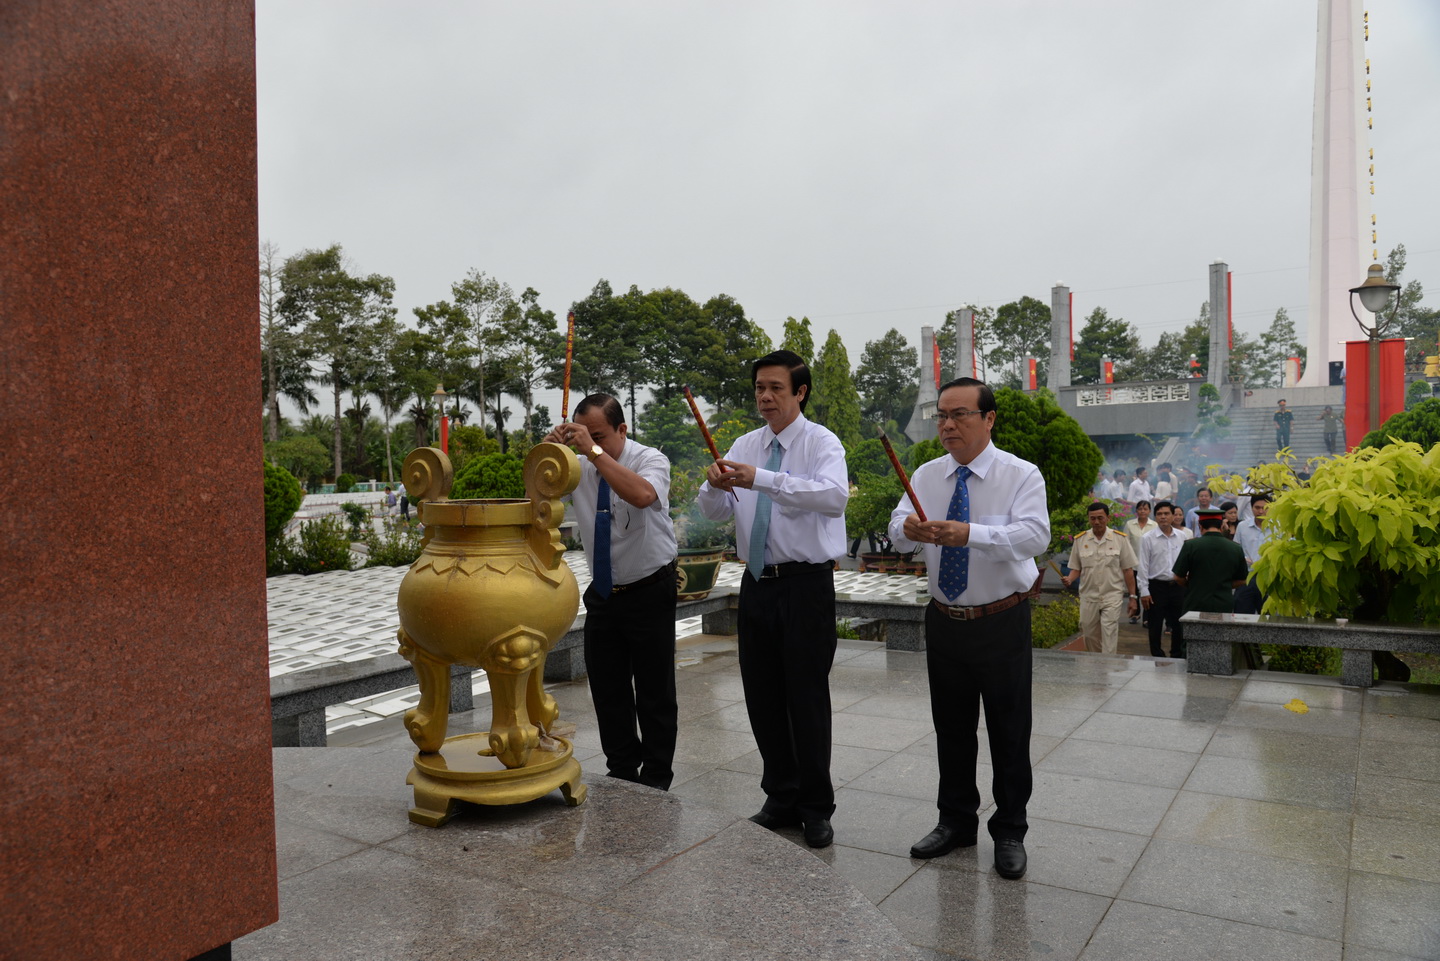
[{"x": 136, "y": 813}]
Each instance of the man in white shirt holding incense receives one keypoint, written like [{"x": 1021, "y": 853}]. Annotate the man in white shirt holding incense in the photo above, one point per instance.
[
  {"x": 987, "y": 520},
  {"x": 622, "y": 507},
  {"x": 791, "y": 486}
]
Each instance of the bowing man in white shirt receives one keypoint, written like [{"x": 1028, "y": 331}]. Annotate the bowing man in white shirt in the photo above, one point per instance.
[
  {"x": 622, "y": 507},
  {"x": 791, "y": 486},
  {"x": 987, "y": 521}
]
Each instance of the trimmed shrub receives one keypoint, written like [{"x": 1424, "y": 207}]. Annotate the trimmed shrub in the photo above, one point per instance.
[
  {"x": 493, "y": 475},
  {"x": 345, "y": 483},
  {"x": 395, "y": 547},
  {"x": 1054, "y": 623},
  {"x": 357, "y": 516},
  {"x": 1302, "y": 660},
  {"x": 282, "y": 499}
]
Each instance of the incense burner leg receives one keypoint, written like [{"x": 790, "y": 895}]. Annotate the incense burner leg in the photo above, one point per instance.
[{"x": 426, "y": 722}]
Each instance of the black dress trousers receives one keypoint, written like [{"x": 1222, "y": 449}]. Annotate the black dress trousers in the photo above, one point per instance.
[
  {"x": 972, "y": 663},
  {"x": 787, "y": 646},
  {"x": 630, "y": 658}
]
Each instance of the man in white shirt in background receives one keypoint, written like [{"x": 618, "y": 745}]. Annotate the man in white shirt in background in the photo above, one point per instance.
[
  {"x": 622, "y": 508},
  {"x": 1192, "y": 516},
  {"x": 1250, "y": 534},
  {"x": 1160, "y": 593},
  {"x": 987, "y": 520},
  {"x": 1139, "y": 487},
  {"x": 791, "y": 483}
]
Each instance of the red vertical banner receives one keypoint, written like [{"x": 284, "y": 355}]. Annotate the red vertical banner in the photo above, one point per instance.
[
  {"x": 444, "y": 433},
  {"x": 1357, "y": 386},
  {"x": 1230, "y": 309},
  {"x": 1109, "y": 371},
  {"x": 935, "y": 364},
  {"x": 1032, "y": 373},
  {"x": 1072, "y": 328}
]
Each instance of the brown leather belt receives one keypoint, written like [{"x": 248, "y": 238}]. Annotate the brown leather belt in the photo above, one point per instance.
[
  {"x": 985, "y": 610},
  {"x": 667, "y": 571}
]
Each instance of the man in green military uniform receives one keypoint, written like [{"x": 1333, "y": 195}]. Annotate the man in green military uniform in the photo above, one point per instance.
[{"x": 1209, "y": 568}]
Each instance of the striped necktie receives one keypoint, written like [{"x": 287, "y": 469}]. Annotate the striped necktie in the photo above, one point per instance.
[{"x": 755, "y": 561}]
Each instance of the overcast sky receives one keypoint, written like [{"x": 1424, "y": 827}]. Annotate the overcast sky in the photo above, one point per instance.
[{"x": 868, "y": 165}]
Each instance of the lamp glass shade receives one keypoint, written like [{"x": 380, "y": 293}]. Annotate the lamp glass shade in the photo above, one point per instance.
[
  {"x": 440, "y": 397},
  {"x": 1375, "y": 299}
]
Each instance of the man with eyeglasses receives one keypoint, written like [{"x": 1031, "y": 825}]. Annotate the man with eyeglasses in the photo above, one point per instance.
[
  {"x": 987, "y": 520},
  {"x": 622, "y": 508},
  {"x": 789, "y": 528}
]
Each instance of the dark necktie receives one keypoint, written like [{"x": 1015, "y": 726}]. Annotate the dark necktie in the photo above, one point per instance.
[
  {"x": 600, "y": 578},
  {"x": 955, "y": 561}
]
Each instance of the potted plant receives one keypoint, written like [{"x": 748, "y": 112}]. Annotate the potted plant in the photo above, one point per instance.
[{"x": 702, "y": 545}]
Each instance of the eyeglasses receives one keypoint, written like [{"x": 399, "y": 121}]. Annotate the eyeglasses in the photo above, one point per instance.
[{"x": 955, "y": 415}]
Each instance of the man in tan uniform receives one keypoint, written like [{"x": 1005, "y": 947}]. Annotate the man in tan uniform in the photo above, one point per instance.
[{"x": 1107, "y": 559}]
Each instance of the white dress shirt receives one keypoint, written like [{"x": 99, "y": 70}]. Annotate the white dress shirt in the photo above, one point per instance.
[
  {"x": 1139, "y": 491},
  {"x": 1250, "y": 536},
  {"x": 1156, "y": 556},
  {"x": 809, "y": 491},
  {"x": 642, "y": 539},
  {"x": 1009, "y": 523}
]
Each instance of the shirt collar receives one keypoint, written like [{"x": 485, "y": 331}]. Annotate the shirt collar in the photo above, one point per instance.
[
  {"x": 979, "y": 467},
  {"x": 789, "y": 435}
]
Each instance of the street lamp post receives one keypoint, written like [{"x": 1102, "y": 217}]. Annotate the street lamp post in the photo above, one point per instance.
[
  {"x": 440, "y": 397},
  {"x": 1375, "y": 295}
]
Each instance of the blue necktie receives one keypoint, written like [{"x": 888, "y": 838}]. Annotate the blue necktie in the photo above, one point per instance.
[
  {"x": 600, "y": 577},
  {"x": 755, "y": 562},
  {"x": 955, "y": 561}
]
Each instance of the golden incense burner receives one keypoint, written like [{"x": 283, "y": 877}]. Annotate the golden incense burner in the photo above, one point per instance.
[{"x": 489, "y": 590}]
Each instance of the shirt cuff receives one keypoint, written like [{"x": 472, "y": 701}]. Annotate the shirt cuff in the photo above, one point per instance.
[{"x": 765, "y": 480}]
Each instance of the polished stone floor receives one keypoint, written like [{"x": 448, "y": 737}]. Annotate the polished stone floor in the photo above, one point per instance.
[{"x": 1262, "y": 816}]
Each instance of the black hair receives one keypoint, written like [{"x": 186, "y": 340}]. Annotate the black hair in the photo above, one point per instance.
[
  {"x": 1209, "y": 522},
  {"x": 609, "y": 406},
  {"x": 799, "y": 371},
  {"x": 1099, "y": 506},
  {"x": 1140, "y": 504},
  {"x": 987, "y": 396},
  {"x": 1165, "y": 504},
  {"x": 1257, "y": 498},
  {"x": 1229, "y": 506}
]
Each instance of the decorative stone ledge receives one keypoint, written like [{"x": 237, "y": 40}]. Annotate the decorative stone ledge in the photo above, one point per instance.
[{"x": 1211, "y": 639}]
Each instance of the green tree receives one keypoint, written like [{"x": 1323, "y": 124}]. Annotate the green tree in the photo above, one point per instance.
[
  {"x": 1418, "y": 425},
  {"x": 333, "y": 306},
  {"x": 285, "y": 367},
  {"x": 868, "y": 457},
  {"x": 476, "y": 331},
  {"x": 1034, "y": 428},
  {"x": 1104, "y": 336},
  {"x": 682, "y": 349},
  {"x": 1213, "y": 424},
  {"x": 1021, "y": 330},
  {"x": 886, "y": 377},
  {"x": 797, "y": 338},
  {"x": 1412, "y": 318},
  {"x": 836, "y": 402},
  {"x": 533, "y": 351},
  {"x": 1277, "y": 345},
  {"x": 302, "y": 455},
  {"x": 742, "y": 342},
  {"x": 668, "y": 426},
  {"x": 601, "y": 325}
]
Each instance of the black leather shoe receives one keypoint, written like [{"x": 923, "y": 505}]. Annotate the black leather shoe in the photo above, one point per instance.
[
  {"x": 773, "y": 822},
  {"x": 1010, "y": 858},
  {"x": 940, "y": 841},
  {"x": 819, "y": 834}
]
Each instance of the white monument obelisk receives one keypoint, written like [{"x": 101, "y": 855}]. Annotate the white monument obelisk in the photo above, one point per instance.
[{"x": 1339, "y": 191}]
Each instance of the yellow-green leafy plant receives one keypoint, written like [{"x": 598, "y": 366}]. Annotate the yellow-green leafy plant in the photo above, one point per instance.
[{"x": 1360, "y": 538}]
